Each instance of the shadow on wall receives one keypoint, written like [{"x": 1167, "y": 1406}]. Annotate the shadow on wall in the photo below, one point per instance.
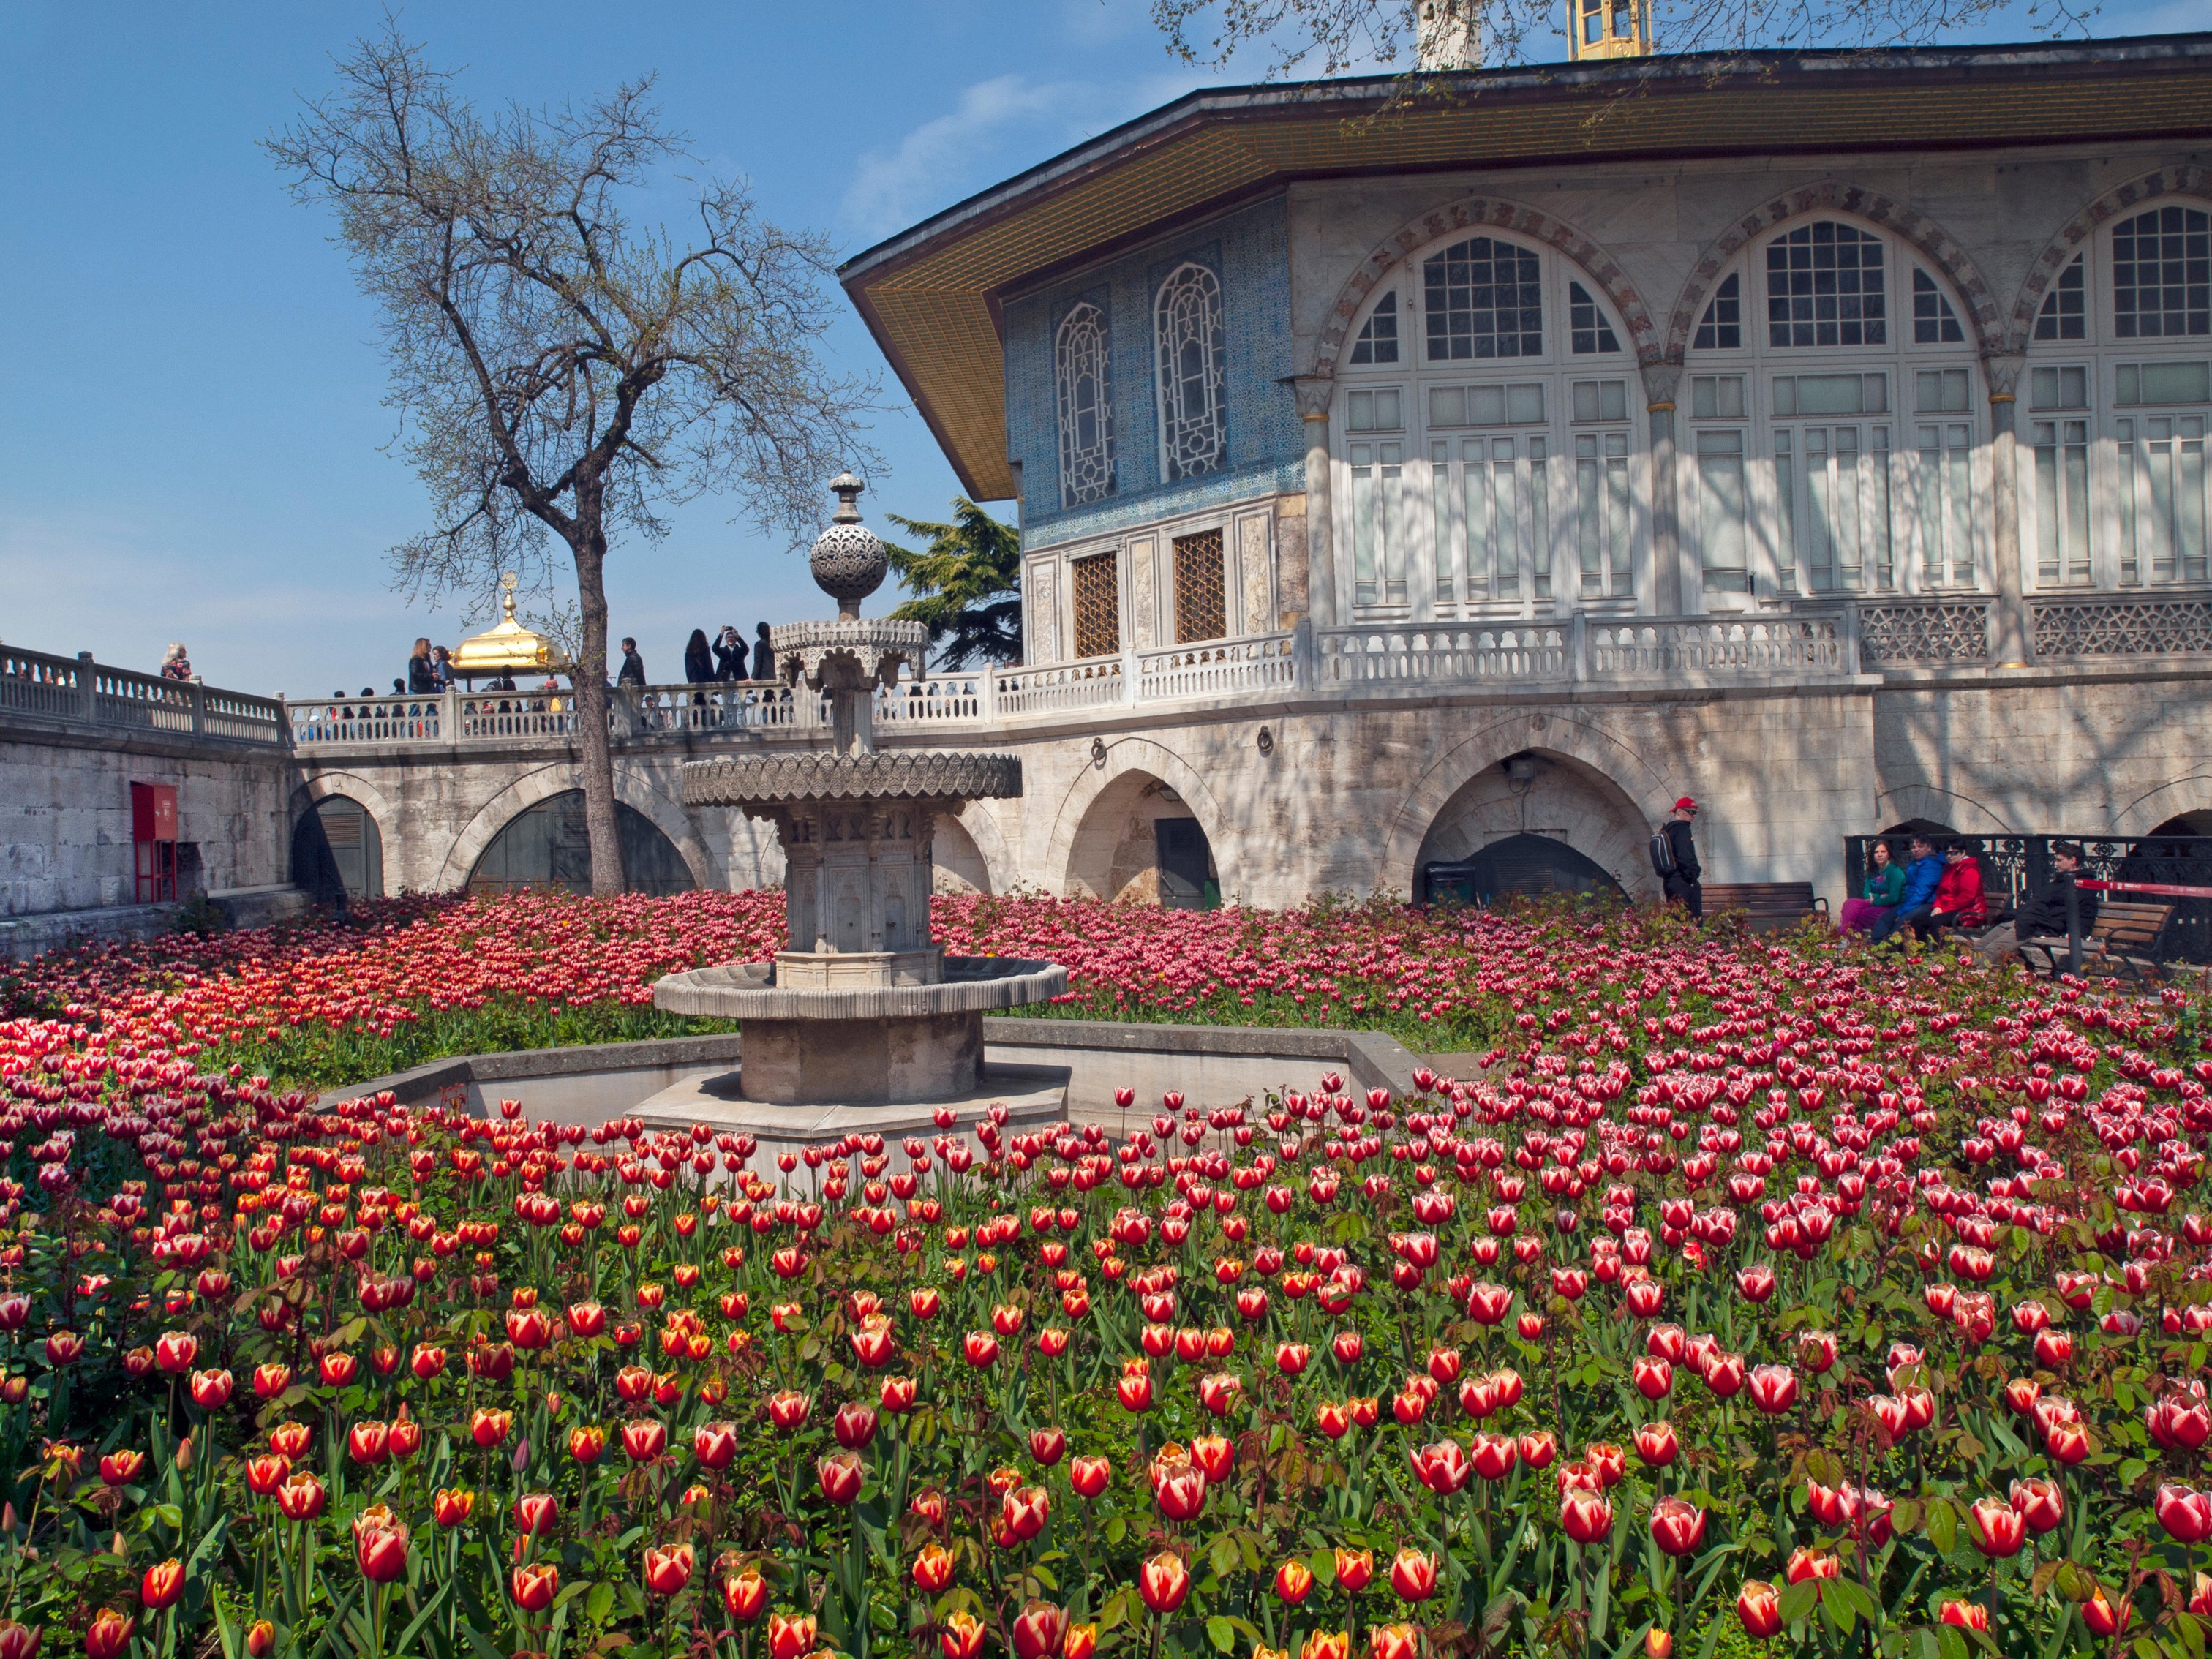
[
  {"x": 1535, "y": 823},
  {"x": 1140, "y": 843},
  {"x": 959, "y": 868},
  {"x": 545, "y": 846},
  {"x": 336, "y": 850}
]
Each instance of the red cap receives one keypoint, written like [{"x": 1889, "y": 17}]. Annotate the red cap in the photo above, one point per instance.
[{"x": 1686, "y": 805}]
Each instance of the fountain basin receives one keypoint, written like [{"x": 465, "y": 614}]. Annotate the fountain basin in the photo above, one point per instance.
[{"x": 862, "y": 1043}]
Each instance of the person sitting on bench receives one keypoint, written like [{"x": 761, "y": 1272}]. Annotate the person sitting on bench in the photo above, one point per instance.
[
  {"x": 1958, "y": 901},
  {"x": 2045, "y": 918},
  {"x": 1921, "y": 877}
]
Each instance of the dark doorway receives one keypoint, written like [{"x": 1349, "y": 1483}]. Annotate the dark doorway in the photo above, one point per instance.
[
  {"x": 545, "y": 847},
  {"x": 1185, "y": 865},
  {"x": 337, "y": 848},
  {"x": 1518, "y": 863}
]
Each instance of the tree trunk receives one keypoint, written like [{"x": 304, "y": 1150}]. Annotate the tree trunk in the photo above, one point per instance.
[{"x": 595, "y": 756}]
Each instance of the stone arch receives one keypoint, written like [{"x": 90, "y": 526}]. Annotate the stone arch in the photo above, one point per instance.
[
  {"x": 2169, "y": 800},
  {"x": 983, "y": 829},
  {"x": 1937, "y": 245},
  {"x": 1599, "y": 757},
  {"x": 2075, "y": 233},
  {"x": 631, "y": 789},
  {"x": 1925, "y": 803},
  {"x": 1478, "y": 213},
  {"x": 352, "y": 785},
  {"x": 1124, "y": 756}
]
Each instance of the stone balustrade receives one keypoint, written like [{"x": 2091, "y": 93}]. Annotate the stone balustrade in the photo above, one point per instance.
[{"x": 1870, "y": 635}]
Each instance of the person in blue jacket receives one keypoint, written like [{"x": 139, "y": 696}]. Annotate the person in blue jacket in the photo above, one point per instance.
[{"x": 1921, "y": 877}]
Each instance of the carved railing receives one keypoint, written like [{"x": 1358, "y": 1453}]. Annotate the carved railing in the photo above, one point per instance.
[
  {"x": 80, "y": 692},
  {"x": 1219, "y": 668},
  {"x": 1443, "y": 652},
  {"x": 2138, "y": 624},
  {"x": 1931, "y": 630},
  {"x": 1093, "y": 683},
  {"x": 941, "y": 700},
  {"x": 1747, "y": 647},
  {"x": 367, "y": 719}
]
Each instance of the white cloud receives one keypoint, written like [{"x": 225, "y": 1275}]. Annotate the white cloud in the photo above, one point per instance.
[{"x": 998, "y": 127}]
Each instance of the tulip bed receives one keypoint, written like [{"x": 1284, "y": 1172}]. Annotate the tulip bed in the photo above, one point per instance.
[{"x": 1749, "y": 1297}]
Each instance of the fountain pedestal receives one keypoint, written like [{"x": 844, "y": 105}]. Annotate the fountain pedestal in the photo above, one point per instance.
[{"x": 862, "y": 1010}]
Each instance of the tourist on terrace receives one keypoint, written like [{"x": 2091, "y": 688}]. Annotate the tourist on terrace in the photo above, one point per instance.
[
  {"x": 729, "y": 654},
  {"x": 421, "y": 675},
  {"x": 633, "y": 665},
  {"x": 1885, "y": 886},
  {"x": 1959, "y": 901},
  {"x": 441, "y": 668},
  {"x": 763, "y": 654},
  {"x": 1684, "y": 884},
  {"x": 1921, "y": 877},
  {"x": 175, "y": 665}
]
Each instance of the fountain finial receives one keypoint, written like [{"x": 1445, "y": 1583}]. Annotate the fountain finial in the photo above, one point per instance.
[{"x": 848, "y": 562}]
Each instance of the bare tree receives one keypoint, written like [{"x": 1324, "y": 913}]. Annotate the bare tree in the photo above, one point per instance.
[
  {"x": 562, "y": 377},
  {"x": 1335, "y": 36}
]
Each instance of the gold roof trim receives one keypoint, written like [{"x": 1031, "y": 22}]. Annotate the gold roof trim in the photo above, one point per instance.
[{"x": 930, "y": 295}]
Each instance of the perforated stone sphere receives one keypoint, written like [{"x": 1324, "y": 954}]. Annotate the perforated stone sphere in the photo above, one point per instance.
[{"x": 848, "y": 562}]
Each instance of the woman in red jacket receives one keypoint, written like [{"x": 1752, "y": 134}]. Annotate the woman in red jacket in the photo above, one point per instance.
[{"x": 1959, "y": 901}]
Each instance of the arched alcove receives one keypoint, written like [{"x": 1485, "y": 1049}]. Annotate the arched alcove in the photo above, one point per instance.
[
  {"x": 960, "y": 867},
  {"x": 1558, "y": 821},
  {"x": 545, "y": 846},
  {"x": 1521, "y": 864},
  {"x": 1138, "y": 841},
  {"x": 337, "y": 847}
]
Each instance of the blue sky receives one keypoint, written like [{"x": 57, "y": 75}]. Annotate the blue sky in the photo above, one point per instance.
[{"x": 190, "y": 403}]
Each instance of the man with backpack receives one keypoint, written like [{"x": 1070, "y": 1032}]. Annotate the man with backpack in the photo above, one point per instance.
[{"x": 1674, "y": 858}]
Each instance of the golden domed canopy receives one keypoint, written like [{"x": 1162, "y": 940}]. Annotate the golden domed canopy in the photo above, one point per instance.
[{"x": 508, "y": 646}]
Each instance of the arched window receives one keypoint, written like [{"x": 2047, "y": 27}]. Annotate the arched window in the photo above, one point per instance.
[
  {"x": 2118, "y": 394},
  {"x": 545, "y": 846},
  {"x": 1832, "y": 435},
  {"x": 1187, "y": 320},
  {"x": 1086, "y": 408},
  {"x": 1488, "y": 462}
]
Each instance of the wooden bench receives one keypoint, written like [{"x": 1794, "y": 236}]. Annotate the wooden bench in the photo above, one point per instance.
[
  {"x": 2123, "y": 941},
  {"x": 1768, "y": 906}
]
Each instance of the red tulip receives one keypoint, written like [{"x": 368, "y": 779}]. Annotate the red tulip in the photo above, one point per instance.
[
  {"x": 487, "y": 1428},
  {"x": 745, "y": 1595},
  {"x": 932, "y": 1569},
  {"x": 1413, "y": 1575},
  {"x": 1657, "y": 1446},
  {"x": 1997, "y": 1527},
  {"x": 1760, "y": 1608},
  {"x": 2040, "y": 1503},
  {"x": 1677, "y": 1526},
  {"x": 1294, "y": 1582},
  {"x": 1023, "y": 1511},
  {"x": 453, "y": 1506},
  {"x": 1163, "y": 1582},
  {"x": 536, "y": 1585},
  {"x": 121, "y": 1468},
  {"x": 1038, "y": 1628},
  {"x": 961, "y": 1635},
  {"x": 212, "y": 1389},
  {"x": 535, "y": 1512},
  {"x": 1773, "y": 1389},
  {"x": 365, "y": 1441},
  {"x": 1355, "y": 1569},
  {"x": 668, "y": 1568},
  {"x": 644, "y": 1438},
  {"x": 1179, "y": 1488},
  {"x": 1585, "y": 1515},
  {"x": 2185, "y": 1514},
  {"x": 840, "y": 1475},
  {"x": 108, "y": 1635},
  {"x": 300, "y": 1498},
  {"x": 380, "y": 1544},
  {"x": 1442, "y": 1467},
  {"x": 162, "y": 1586},
  {"x": 793, "y": 1638},
  {"x": 1089, "y": 1476}
]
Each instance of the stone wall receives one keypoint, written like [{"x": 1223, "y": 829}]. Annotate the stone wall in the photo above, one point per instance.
[{"x": 65, "y": 816}]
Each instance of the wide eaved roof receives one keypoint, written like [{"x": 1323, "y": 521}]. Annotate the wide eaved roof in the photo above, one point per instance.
[{"x": 930, "y": 294}]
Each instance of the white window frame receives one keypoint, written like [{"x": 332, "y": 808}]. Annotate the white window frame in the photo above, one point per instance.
[{"x": 1169, "y": 384}]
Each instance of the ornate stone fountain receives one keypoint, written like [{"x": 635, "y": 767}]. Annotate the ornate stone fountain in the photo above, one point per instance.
[{"x": 863, "y": 1011}]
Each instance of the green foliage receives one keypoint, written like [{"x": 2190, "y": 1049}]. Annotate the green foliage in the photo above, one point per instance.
[{"x": 966, "y": 584}]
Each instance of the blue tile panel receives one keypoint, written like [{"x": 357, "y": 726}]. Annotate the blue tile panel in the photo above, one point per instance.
[{"x": 1250, "y": 252}]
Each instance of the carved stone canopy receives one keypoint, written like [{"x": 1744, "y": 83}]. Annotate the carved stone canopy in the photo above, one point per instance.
[
  {"x": 849, "y": 654},
  {"x": 816, "y": 774}
]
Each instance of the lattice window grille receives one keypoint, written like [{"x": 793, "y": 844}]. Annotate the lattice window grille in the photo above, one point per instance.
[
  {"x": 1722, "y": 329},
  {"x": 1484, "y": 299},
  {"x": 2065, "y": 313},
  {"x": 1096, "y": 587},
  {"x": 2122, "y": 627},
  {"x": 2162, "y": 274},
  {"x": 1086, "y": 408},
  {"x": 1187, "y": 324},
  {"x": 1201, "y": 606},
  {"x": 1825, "y": 287},
  {"x": 1378, "y": 337},
  {"x": 1940, "y": 631}
]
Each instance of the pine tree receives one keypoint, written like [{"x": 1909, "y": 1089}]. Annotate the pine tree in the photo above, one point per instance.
[{"x": 966, "y": 584}]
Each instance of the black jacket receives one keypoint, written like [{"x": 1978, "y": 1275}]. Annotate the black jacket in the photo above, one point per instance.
[
  {"x": 698, "y": 666},
  {"x": 421, "y": 681},
  {"x": 1686, "y": 867},
  {"x": 633, "y": 669},
  {"x": 730, "y": 662},
  {"x": 2046, "y": 917},
  {"x": 764, "y": 661}
]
